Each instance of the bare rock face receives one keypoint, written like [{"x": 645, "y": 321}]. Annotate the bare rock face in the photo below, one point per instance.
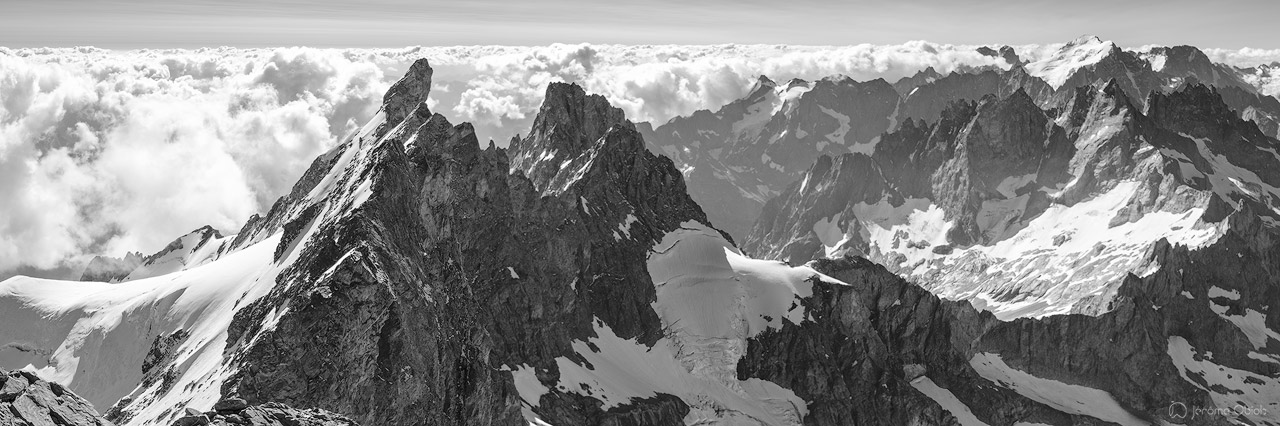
[
  {"x": 861, "y": 182},
  {"x": 920, "y": 78},
  {"x": 738, "y": 157},
  {"x": 989, "y": 170},
  {"x": 25, "y": 399},
  {"x": 409, "y": 92},
  {"x": 111, "y": 269},
  {"x": 405, "y": 309},
  {"x": 1190, "y": 64},
  {"x": 927, "y": 101},
  {"x": 1008, "y": 138},
  {"x": 1151, "y": 348},
  {"x": 235, "y": 411},
  {"x": 959, "y": 163},
  {"x": 1198, "y": 112},
  {"x": 1108, "y": 129},
  {"x": 568, "y": 123},
  {"x": 1263, "y": 110},
  {"x": 1007, "y": 53}
]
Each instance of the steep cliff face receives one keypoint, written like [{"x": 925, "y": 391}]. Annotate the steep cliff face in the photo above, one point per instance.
[
  {"x": 812, "y": 218},
  {"x": 1189, "y": 64},
  {"x": 1030, "y": 215},
  {"x": 737, "y": 158},
  {"x": 1174, "y": 338},
  {"x": 1009, "y": 146},
  {"x": 740, "y": 156},
  {"x": 991, "y": 151},
  {"x": 568, "y": 124},
  {"x": 453, "y": 271},
  {"x": 927, "y": 101}
]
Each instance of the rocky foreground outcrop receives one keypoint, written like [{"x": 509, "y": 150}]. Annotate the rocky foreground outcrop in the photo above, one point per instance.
[
  {"x": 235, "y": 411},
  {"x": 26, "y": 399}
]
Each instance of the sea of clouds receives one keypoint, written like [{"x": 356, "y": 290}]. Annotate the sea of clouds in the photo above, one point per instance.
[{"x": 107, "y": 152}]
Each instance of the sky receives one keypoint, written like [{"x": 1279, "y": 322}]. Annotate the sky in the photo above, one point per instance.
[{"x": 395, "y": 23}]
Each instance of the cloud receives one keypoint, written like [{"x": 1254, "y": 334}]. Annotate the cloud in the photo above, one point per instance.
[
  {"x": 500, "y": 88},
  {"x": 107, "y": 152},
  {"x": 1244, "y": 58}
]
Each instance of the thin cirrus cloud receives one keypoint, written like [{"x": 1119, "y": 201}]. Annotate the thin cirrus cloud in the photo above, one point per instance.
[{"x": 106, "y": 152}]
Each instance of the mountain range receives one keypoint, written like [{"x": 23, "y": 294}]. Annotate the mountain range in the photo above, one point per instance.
[{"x": 1087, "y": 239}]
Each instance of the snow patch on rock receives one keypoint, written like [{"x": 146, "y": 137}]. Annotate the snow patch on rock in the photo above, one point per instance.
[
  {"x": 948, "y": 401},
  {"x": 1067, "y": 398},
  {"x": 1250, "y": 395}
]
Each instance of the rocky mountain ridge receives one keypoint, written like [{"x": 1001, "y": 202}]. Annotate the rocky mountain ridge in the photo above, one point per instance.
[
  {"x": 414, "y": 276},
  {"x": 735, "y": 161},
  {"x": 1012, "y": 231}
]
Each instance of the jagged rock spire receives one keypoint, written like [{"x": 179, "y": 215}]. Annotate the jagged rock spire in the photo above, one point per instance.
[
  {"x": 569, "y": 122},
  {"x": 409, "y": 92}
]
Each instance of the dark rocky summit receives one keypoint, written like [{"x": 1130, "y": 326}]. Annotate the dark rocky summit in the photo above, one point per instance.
[
  {"x": 568, "y": 124},
  {"x": 403, "y": 310}
]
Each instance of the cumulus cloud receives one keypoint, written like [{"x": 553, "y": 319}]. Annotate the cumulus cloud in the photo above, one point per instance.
[
  {"x": 1244, "y": 58},
  {"x": 107, "y": 152},
  {"x": 656, "y": 83}
]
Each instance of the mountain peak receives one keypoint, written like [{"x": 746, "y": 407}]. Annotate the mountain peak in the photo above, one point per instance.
[
  {"x": 569, "y": 122},
  {"x": 1005, "y": 52},
  {"x": 1082, "y": 52},
  {"x": 407, "y": 93},
  {"x": 762, "y": 86},
  {"x": 797, "y": 82},
  {"x": 1085, "y": 39},
  {"x": 1112, "y": 88},
  {"x": 1020, "y": 99}
]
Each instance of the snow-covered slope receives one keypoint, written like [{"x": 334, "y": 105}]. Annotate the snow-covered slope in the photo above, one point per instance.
[
  {"x": 1053, "y": 233},
  {"x": 93, "y": 337},
  {"x": 711, "y": 299},
  {"x": 158, "y": 342},
  {"x": 147, "y": 347},
  {"x": 1082, "y": 52}
]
